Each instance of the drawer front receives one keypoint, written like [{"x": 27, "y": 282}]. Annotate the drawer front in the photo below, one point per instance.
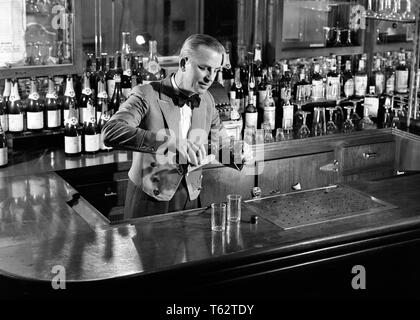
[
  {"x": 282, "y": 174},
  {"x": 368, "y": 157}
]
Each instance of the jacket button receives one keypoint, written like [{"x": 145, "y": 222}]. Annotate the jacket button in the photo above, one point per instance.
[
  {"x": 156, "y": 192},
  {"x": 153, "y": 164},
  {"x": 155, "y": 179}
]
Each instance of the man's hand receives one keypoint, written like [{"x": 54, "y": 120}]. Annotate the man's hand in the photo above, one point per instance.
[
  {"x": 247, "y": 155},
  {"x": 190, "y": 152}
]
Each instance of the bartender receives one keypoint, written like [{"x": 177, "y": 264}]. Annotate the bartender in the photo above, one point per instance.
[{"x": 168, "y": 123}]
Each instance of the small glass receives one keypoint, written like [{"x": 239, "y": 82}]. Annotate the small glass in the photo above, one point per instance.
[
  {"x": 288, "y": 134},
  {"x": 318, "y": 123},
  {"x": 218, "y": 243},
  {"x": 304, "y": 131},
  {"x": 268, "y": 133},
  {"x": 234, "y": 207},
  {"x": 348, "y": 125},
  {"x": 259, "y": 136},
  {"x": 218, "y": 216},
  {"x": 280, "y": 134},
  {"x": 331, "y": 127}
]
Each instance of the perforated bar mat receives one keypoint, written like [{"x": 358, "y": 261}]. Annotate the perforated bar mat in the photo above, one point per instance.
[{"x": 302, "y": 208}]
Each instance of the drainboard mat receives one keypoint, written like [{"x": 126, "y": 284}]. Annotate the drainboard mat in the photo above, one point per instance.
[{"x": 302, "y": 208}]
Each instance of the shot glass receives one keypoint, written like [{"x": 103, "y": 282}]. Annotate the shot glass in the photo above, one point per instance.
[
  {"x": 234, "y": 207},
  {"x": 218, "y": 216}
]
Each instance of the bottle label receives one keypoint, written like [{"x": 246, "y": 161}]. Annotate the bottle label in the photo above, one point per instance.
[
  {"x": 3, "y": 156},
  {"x": 16, "y": 122},
  {"x": 287, "y": 122},
  {"x": 4, "y": 122},
  {"x": 251, "y": 119},
  {"x": 390, "y": 84},
  {"x": 270, "y": 116},
  {"x": 379, "y": 83},
  {"x": 35, "y": 120},
  {"x": 360, "y": 85},
  {"x": 53, "y": 118},
  {"x": 401, "y": 81},
  {"x": 91, "y": 142},
  {"x": 87, "y": 91},
  {"x": 261, "y": 97},
  {"x": 153, "y": 67},
  {"x": 111, "y": 86},
  {"x": 349, "y": 87},
  {"x": 34, "y": 96},
  {"x": 285, "y": 93},
  {"x": 317, "y": 89},
  {"x": 333, "y": 88},
  {"x": 51, "y": 95},
  {"x": 72, "y": 145},
  {"x": 372, "y": 103}
]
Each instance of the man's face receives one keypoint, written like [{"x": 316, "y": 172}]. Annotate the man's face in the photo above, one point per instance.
[{"x": 201, "y": 69}]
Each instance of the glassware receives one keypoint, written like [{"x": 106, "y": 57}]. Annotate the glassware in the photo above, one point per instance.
[
  {"x": 327, "y": 35},
  {"x": 348, "y": 125},
  {"x": 355, "y": 118},
  {"x": 387, "y": 122},
  {"x": 318, "y": 123},
  {"x": 304, "y": 131},
  {"x": 280, "y": 134},
  {"x": 298, "y": 117},
  {"x": 288, "y": 134},
  {"x": 338, "y": 116},
  {"x": 396, "y": 6},
  {"x": 366, "y": 123},
  {"x": 331, "y": 127},
  {"x": 370, "y": 13},
  {"x": 268, "y": 133}
]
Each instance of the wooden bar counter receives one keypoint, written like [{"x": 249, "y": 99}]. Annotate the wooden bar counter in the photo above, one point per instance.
[{"x": 47, "y": 225}]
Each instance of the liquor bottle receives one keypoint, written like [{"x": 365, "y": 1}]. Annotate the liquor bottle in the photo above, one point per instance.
[
  {"x": 109, "y": 76},
  {"x": 379, "y": 77},
  {"x": 126, "y": 45},
  {"x": 101, "y": 99},
  {"x": 294, "y": 78},
  {"x": 348, "y": 81},
  {"x": 134, "y": 62},
  {"x": 371, "y": 102},
  {"x": 85, "y": 98},
  {"x": 117, "y": 97},
  {"x": 3, "y": 105},
  {"x": 389, "y": 77},
  {"x": 53, "y": 113},
  {"x": 243, "y": 68},
  {"x": 3, "y": 148},
  {"x": 333, "y": 81},
  {"x": 269, "y": 108},
  {"x": 35, "y": 109},
  {"x": 360, "y": 80},
  {"x": 126, "y": 76},
  {"x": 89, "y": 69},
  {"x": 69, "y": 98},
  {"x": 227, "y": 71},
  {"x": 262, "y": 90},
  {"x": 153, "y": 68},
  {"x": 317, "y": 83},
  {"x": 301, "y": 87},
  {"x": 234, "y": 113},
  {"x": 238, "y": 88},
  {"x": 104, "y": 118},
  {"x": 91, "y": 132},
  {"x": 15, "y": 109},
  {"x": 72, "y": 136},
  {"x": 257, "y": 63},
  {"x": 401, "y": 75},
  {"x": 251, "y": 114},
  {"x": 285, "y": 85},
  {"x": 252, "y": 84}
]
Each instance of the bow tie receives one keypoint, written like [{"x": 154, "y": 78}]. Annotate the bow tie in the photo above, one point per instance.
[{"x": 193, "y": 101}]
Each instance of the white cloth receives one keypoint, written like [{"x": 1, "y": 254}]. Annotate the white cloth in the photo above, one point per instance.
[{"x": 186, "y": 114}]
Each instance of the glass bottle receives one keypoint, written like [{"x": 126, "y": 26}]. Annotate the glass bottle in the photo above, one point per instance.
[
  {"x": 285, "y": 86},
  {"x": 109, "y": 76},
  {"x": 227, "y": 70},
  {"x": 366, "y": 123},
  {"x": 269, "y": 107},
  {"x": 3, "y": 148},
  {"x": 389, "y": 77},
  {"x": 117, "y": 97},
  {"x": 35, "y": 109},
  {"x": 101, "y": 99},
  {"x": 251, "y": 115},
  {"x": 333, "y": 81},
  {"x": 240, "y": 99},
  {"x": 125, "y": 47},
  {"x": 401, "y": 75},
  {"x": 90, "y": 130},
  {"x": 15, "y": 109},
  {"x": 379, "y": 77},
  {"x": 301, "y": 87},
  {"x": 104, "y": 118},
  {"x": 3, "y": 105},
  {"x": 262, "y": 89},
  {"x": 86, "y": 96},
  {"x": 297, "y": 117},
  {"x": 257, "y": 64},
  {"x": 69, "y": 98},
  {"x": 152, "y": 65},
  {"x": 361, "y": 80},
  {"x": 348, "y": 81},
  {"x": 72, "y": 136},
  {"x": 53, "y": 113},
  {"x": 126, "y": 76},
  {"x": 317, "y": 83}
]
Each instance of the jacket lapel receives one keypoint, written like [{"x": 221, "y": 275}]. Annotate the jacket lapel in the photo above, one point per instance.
[
  {"x": 169, "y": 110},
  {"x": 198, "y": 123}
]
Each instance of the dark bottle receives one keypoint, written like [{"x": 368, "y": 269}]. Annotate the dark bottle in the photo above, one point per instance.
[
  {"x": 262, "y": 90},
  {"x": 91, "y": 130},
  {"x": 35, "y": 109},
  {"x": 317, "y": 83},
  {"x": 3, "y": 148},
  {"x": 101, "y": 99},
  {"x": 126, "y": 76},
  {"x": 15, "y": 109},
  {"x": 3, "y": 105},
  {"x": 117, "y": 97},
  {"x": 135, "y": 72},
  {"x": 239, "y": 92},
  {"x": 69, "y": 98},
  {"x": 153, "y": 68},
  {"x": 72, "y": 134},
  {"x": 348, "y": 81},
  {"x": 302, "y": 87},
  {"x": 389, "y": 77},
  {"x": 53, "y": 112},
  {"x": 252, "y": 84},
  {"x": 109, "y": 76},
  {"x": 258, "y": 63},
  {"x": 285, "y": 85},
  {"x": 251, "y": 114},
  {"x": 333, "y": 81},
  {"x": 401, "y": 75},
  {"x": 105, "y": 116},
  {"x": 87, "y": 95},
  {"x": 227, "y": 71}
]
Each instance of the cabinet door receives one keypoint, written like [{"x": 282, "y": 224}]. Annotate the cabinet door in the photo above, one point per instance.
[{"x": 281, "y": 174}]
